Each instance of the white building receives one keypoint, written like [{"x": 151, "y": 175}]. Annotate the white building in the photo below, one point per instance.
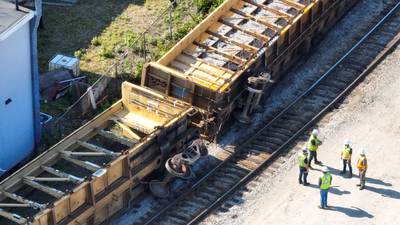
[{"x": 19, "y": 95}]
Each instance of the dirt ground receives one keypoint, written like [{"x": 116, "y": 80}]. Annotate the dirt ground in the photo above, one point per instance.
[{"x": 369, "y": 117}]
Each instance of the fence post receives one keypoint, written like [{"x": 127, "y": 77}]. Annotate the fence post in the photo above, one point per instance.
[
  {"x": 144, "y": 46},
  {"x": 170, "y": 21},
  {"x": 116, "y": 70}
]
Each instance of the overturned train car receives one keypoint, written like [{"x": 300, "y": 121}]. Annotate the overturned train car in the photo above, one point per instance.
[
  {"x": 223, "y": 65},
  {"x": 95, "y": 172},
  {"x": 217, "y": 66}
]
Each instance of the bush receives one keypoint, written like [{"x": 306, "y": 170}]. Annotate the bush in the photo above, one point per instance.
[
  {"x": 207, "y": 6},
  {"x": 96, "y": 41},
  {"x": 133, "y": 41},
  {"x": 80, "y": 53},
  {"x": 184, "y": 28},
  {"x": 138, "y": 71},
  {"x": 106, "y": 53}
]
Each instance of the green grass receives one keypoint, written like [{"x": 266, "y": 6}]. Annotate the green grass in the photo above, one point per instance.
[{"x": 99, "y": 33}]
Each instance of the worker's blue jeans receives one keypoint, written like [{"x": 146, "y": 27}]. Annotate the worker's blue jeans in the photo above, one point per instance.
[
  {"x": 303, "y": 175},
  {"x": 324, "y": 197}
]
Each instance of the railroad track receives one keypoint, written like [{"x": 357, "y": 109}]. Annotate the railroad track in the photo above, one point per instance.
[{"x": 267, "y": 144}]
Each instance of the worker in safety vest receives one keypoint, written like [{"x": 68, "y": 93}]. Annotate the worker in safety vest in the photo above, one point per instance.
[
  {"x": 346, "y": 157},
  {"x": 312, "y": 146},
  {"x": 324, "y": 184},
  {"x": 303, "y": 167},
  {"x": 362, "y": 166}
]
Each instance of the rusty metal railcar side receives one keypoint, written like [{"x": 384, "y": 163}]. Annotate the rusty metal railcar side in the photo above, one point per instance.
[
  {"x": 209, "y": 67},
  {"x": 94, "y": 172}
]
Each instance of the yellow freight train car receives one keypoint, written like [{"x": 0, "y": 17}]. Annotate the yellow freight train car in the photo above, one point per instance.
[
  {"x": 222, "y": 65},
  {"x": 209, "y": 68},
  {"x": 94, "y": 172}
]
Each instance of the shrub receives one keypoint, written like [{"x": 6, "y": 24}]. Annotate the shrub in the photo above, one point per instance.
[
  {"x": 133, "y": 41},
  {"x": 80, "y": 53},
  {"x": 207, "y": 6},
  {"x": 106, "y": 53},
  {"x": 96, "y": 41},
  {"x": 138, "y": 71}
]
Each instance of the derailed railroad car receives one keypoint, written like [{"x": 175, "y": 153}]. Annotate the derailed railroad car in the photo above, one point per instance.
[
  {"x": 224, "y": 65},
  {"x": 217, "y": 66},
  {"x": 96, "y": 171}
]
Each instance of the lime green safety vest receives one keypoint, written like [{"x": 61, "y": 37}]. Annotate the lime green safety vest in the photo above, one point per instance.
[
  {"x": 301, "y": 159},
  {"x": 310, "y": 146},
  {"x": 325, "y": 181},
  {"x": 346, "y": 153}
]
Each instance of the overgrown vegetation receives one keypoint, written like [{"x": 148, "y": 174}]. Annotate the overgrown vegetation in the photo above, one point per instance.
[
  {"x": 100, "y": 33},
  {"x": 128, "y": 47},
  {"x": 206, "y": 6}
]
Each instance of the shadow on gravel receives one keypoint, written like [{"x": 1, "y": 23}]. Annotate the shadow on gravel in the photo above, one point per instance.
[
  {"x": 335, "y": 171},
  {"x": 332, "y": 170},
  {"x": 351, "y": 212},
  {"x": 384, "y": 192},
  {"x": 333, "y": 190},
  {"x": 376, "y": 181}
]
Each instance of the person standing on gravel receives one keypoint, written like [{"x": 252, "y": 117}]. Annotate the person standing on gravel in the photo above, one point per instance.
[
  {"x": 303, "y": 167},
  {"x": 346, "y": 157},
  {"x": 362, "y": 166},
  {"x": 312, "y": 146},
  {"x": 324, "y": 184}
]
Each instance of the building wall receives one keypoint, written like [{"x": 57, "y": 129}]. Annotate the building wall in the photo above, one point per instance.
[{"x": 16, "y": 117}]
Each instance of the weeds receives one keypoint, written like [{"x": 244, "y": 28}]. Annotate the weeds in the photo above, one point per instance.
[{"x": 173, "y": 27}]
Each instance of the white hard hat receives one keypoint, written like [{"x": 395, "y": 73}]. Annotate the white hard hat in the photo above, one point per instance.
[
  {"x": 305, "y": 150},
  {"x": 325, "y": 169},
  {"x": 347, "y": 142},
  {"x": 363, "y": 151},
  {"x": 315, "y": 132}
]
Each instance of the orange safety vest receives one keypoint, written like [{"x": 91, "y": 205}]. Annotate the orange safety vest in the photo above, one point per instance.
[{"x": 360, "y": 164}]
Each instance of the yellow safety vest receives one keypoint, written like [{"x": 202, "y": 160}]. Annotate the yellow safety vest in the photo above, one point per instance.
[
  {"x": 360, "y": 165},
  {"x": 346, "y": 153},
  {"x": 325, "y": 181},
  {"x": 301, "y": 159},
  {"x": 310, "y": 146}
]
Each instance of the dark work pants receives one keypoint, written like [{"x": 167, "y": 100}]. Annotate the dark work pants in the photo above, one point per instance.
[
  {"x": 345, "y": 163},
  {"x": 313, "y": 155},
  {"x": 303, "y": 175}
]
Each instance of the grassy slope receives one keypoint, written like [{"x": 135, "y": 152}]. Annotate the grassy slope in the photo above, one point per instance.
[{"x": 100, "y": 33}]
